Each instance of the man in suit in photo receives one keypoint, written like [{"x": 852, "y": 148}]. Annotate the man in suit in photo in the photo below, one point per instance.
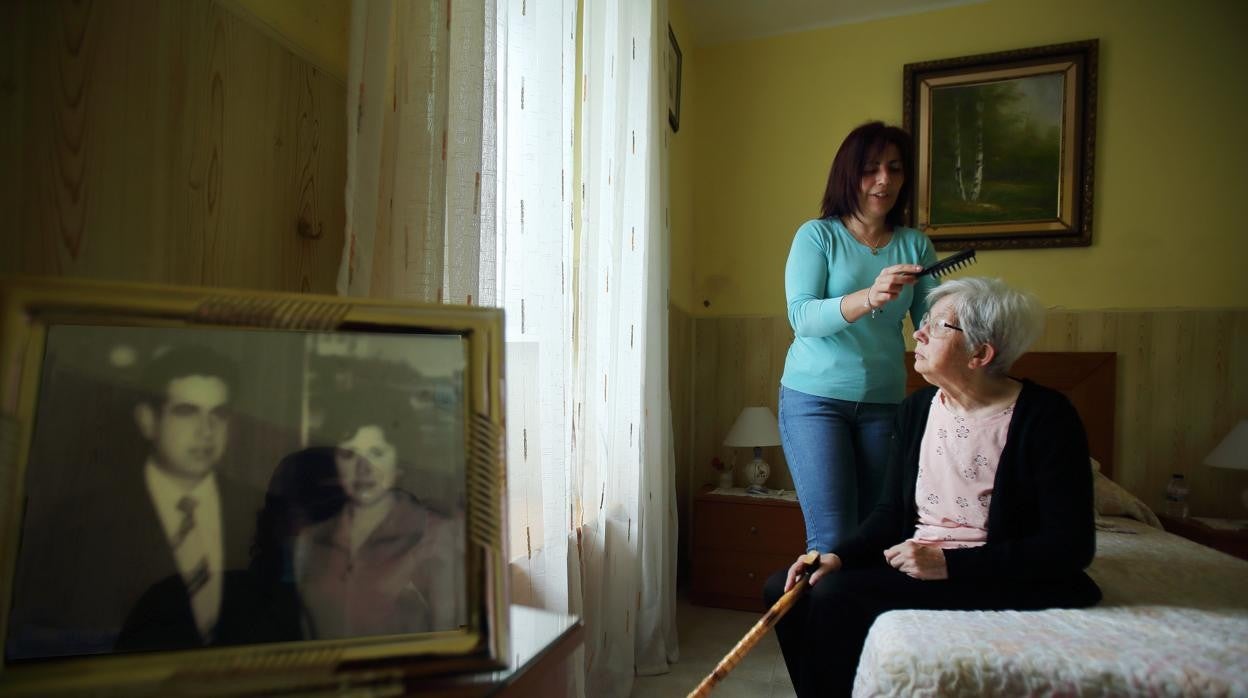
[{"x": 153, "y": 556}]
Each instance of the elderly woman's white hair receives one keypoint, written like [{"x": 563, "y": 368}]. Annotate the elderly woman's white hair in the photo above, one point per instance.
[{"x": 989, "y": 312}]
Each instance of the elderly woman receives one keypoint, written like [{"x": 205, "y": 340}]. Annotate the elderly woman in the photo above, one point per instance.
[
  {"x": 987, "y": 503},
  {"x": 387, "y": 563}
]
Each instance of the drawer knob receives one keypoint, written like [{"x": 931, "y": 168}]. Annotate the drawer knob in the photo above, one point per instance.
[
  {"x": 753, "y": 530},
  {"x": 749, "y": 574}
]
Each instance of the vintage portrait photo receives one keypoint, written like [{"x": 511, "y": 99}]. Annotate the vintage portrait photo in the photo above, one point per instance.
[{"x": 213, "y": 487}]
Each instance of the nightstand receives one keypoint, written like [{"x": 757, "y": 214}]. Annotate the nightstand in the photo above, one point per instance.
[
  {"x": 1230, "y": 541},
  {"x": 737, "y": 542}
]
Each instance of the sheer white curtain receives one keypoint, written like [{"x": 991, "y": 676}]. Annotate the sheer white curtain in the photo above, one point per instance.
[
  {"x": 583, "y": 244},
  {"x": 579, "y": 263},
  {"x": 420, "y": 152},
  {"x": 623, "y": 461},
  {"x": 537, "y": 77}
]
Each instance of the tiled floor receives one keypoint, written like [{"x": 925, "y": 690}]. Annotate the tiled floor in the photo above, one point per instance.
[{"x": 706, "y": 635}]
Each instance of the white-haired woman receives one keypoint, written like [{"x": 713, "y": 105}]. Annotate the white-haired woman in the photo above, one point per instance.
[{"x": 987, "y": 503}]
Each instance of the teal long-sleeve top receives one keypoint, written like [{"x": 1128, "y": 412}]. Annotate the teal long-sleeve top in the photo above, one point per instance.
[{"x": 830, "y": 357}]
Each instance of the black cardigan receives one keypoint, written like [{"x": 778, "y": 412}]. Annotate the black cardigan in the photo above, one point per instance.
[{"x": 1040, "y": 521}]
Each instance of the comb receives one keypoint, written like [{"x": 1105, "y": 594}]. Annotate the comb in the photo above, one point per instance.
[{"x": 948, "y": 264}]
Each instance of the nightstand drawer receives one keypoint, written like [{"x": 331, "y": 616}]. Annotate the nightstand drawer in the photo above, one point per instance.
[
  {"x": 741, "y": 575},
  {"x": 729, "y": 526}
]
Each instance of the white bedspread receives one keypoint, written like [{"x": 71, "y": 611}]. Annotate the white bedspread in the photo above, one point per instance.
[{"x": 1174, "y": 622}]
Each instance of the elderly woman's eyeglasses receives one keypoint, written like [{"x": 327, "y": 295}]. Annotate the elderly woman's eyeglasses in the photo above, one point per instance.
[{"x": 939, "y": 328}]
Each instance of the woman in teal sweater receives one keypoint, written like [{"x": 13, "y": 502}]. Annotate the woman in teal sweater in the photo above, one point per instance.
[{"x": 849, "y": 282}]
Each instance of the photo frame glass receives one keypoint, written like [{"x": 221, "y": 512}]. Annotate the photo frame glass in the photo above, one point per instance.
[
  {"x": 228, "y": 491},
  {"x": 290, "y": 439}
]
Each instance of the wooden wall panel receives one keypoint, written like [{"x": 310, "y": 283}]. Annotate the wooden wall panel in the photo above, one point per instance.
[
  {"x": 680, "y": 379},
  {"x": 740, "y": 360},
  {"x": 169, "y": 142},
  {"x": 1182, "y": 385}
]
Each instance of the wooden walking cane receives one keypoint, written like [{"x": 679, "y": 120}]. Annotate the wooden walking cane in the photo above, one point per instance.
[{"x": 756, "y": 633}]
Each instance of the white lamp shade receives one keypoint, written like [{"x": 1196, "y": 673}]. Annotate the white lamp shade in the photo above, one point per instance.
[
  {"x": 1233, "y": 451},
  {"x": 756, "y": 426}
]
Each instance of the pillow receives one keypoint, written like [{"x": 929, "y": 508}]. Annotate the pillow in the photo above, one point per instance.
[{"x": 1110, "y": 499}]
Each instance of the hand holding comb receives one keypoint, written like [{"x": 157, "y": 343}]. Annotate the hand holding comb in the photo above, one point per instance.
[
  {"x": 756, "y": 633},
  {"x": 950, "y": 263}
]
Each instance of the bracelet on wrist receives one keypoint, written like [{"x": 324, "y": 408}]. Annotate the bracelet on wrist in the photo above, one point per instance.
[{"x": 866, "y": 303}]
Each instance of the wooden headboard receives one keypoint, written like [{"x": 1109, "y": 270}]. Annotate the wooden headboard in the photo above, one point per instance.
[{"x": 1088, "y": 378}]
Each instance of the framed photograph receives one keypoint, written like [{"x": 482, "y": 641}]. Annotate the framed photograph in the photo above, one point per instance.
[
  {"x": 1005, "y": 144},
  {"x": 246, "y": 491},
  {"x": 673, "y": 61}
]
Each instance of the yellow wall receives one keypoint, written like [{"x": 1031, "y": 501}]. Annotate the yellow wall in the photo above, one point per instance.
[
  {"x": 316, "y": 30},
  {"x": 1169, "y": 226}
]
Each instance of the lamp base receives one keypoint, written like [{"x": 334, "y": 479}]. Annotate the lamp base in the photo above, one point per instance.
[{"x": 756, "y": 472}]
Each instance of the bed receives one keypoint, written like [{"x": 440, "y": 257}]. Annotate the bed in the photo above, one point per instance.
[{"x": 1174, "y": 619}]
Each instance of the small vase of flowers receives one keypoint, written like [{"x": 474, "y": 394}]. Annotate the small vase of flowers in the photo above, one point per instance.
[{"x": 724, "y": 470}]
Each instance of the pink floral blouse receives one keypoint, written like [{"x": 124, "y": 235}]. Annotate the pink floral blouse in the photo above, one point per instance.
[{"x": 957, "y": 465}]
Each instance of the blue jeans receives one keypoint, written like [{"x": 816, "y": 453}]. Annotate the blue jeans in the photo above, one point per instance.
[{"x": 837, "y": 452}]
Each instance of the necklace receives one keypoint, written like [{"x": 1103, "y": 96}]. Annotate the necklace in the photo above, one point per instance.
[{"x": 875, "y": 249}]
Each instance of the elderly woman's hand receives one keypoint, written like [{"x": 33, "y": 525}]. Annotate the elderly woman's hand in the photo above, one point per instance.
[
  {"x": 828, "y": 562},
  {"x": 925, "y": 562}
]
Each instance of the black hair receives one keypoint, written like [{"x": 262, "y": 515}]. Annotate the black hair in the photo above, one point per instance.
[
  {"x": 840, "y": 198},
  {"x": 387, "y": 410},
  {"x": 180, "y": 362}
]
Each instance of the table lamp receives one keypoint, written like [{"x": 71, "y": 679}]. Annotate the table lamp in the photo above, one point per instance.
[
  {"x": 1232, "y": 453},
  {"x": 755, "y": 427}
]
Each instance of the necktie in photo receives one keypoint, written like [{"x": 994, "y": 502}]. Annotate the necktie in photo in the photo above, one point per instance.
[
  {"x": 192, "y": 558},
  {"x": 186, "y": 505}
]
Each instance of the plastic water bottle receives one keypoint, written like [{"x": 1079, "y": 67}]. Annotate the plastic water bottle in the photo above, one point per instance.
[{"x": 1176, "y": 496}]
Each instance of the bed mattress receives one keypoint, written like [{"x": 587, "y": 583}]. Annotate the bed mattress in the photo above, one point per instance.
[{"x": 1173, "y": 622}]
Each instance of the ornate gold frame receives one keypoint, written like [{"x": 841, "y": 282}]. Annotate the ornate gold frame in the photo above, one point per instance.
[
  {"x": 28, "y": 307},
  {"x": 1072, "y": 224}
]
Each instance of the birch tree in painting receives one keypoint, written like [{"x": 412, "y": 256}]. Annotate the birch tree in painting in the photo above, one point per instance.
[
  {"x": 996, "y": 150},
  {"x": 957, "y": 150}
]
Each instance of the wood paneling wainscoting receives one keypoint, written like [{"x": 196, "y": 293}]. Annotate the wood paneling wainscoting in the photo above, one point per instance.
[
  {"x": 170, "y": 142},
  {"x": 680, "y": 377},
  {"x": 1182, "y": 385}
]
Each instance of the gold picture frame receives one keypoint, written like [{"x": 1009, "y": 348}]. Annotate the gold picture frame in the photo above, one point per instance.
[
  {"x": 267, "y": 398},
  {"x": 1004, "y": 147}
]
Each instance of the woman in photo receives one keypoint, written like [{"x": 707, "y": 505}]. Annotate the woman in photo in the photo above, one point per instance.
[{"x": 387, "y": 562}]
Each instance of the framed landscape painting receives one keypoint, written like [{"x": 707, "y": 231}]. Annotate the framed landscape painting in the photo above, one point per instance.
[{"x": 1004, "y": 147}]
